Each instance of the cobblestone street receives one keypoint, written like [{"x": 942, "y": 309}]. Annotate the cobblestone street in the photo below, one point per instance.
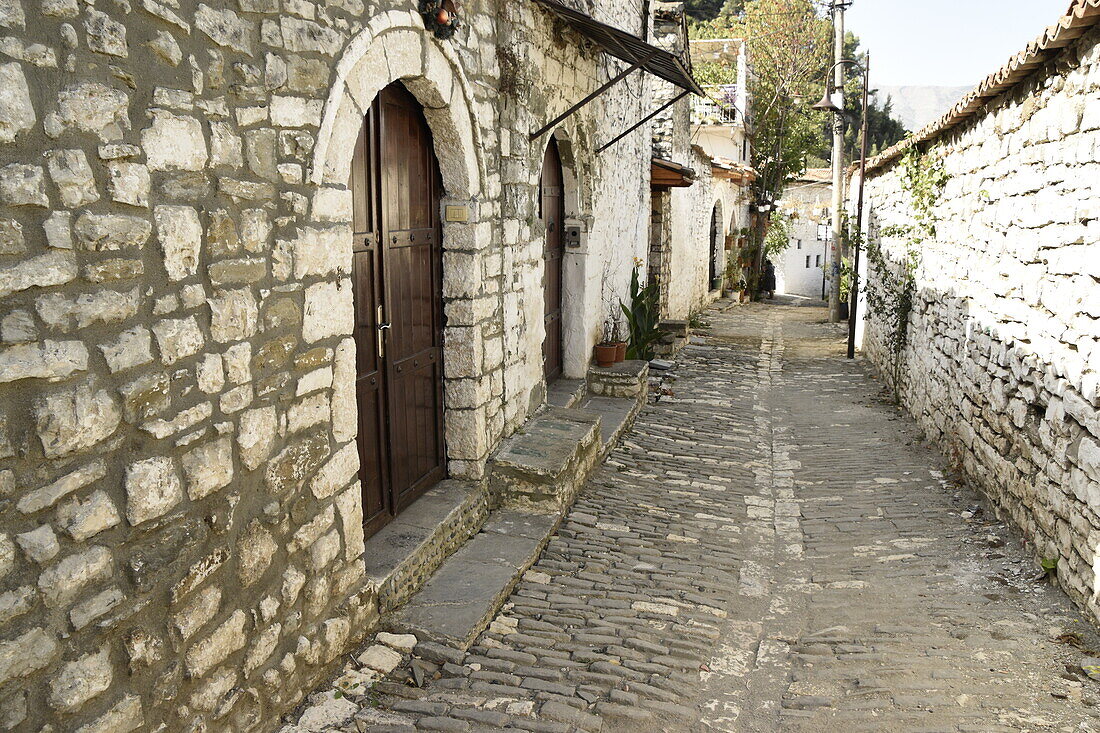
[{"x": 770, "y": 548}]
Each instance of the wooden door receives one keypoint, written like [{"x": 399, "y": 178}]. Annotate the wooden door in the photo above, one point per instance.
[
  {"x": 397, "y": 276},
  {"x": 552, "y": 210},
  {"x": 715, "y": 249}
]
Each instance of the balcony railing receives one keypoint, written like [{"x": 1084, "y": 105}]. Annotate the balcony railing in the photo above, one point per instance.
[{"x": 719, "y": 107}]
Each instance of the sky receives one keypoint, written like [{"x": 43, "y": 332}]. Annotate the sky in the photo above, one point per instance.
[{"x": 946, "y": 42}]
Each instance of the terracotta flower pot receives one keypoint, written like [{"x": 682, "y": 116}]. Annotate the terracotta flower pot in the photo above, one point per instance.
[
  {"x": 605, "y": 354},
  {"x": 620, "y": 351}
]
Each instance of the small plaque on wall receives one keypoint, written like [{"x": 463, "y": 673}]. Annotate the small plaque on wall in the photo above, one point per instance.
[{"x": 458, "y": 213}]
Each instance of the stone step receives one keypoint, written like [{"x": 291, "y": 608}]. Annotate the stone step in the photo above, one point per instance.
[
  {"x": 463, "y": 596},
  {"x": 565, "y": 392},
  {"x": 401, "y": 556},
  {"x": 616, "y": 415},
  {"x": 541, "y": 466}
]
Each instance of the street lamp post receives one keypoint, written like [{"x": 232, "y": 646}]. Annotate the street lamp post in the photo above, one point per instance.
[{"x": 827, "y": 104}]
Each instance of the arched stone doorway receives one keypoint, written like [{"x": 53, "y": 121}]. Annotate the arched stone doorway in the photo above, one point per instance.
[
  {"x": 397, "y": 286},
  {"x": 393, "y": 49}
]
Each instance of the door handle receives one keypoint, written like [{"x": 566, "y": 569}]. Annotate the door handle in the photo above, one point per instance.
[{"x": 378, "y": 334}]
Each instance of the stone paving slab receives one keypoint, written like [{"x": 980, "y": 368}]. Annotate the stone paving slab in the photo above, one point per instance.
[
  {"x": 457, "y": 603},
  {"x": 770, "y": 548}
]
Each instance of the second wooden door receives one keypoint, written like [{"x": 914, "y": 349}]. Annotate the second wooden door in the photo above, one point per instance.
[{"x": 552, "y": 208}]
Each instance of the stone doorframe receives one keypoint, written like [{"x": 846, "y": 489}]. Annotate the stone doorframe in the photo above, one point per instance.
[{"x": 395, "y": 47}]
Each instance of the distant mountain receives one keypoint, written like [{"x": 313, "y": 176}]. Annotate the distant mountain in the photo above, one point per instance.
[{"x": 917, "y": 106}]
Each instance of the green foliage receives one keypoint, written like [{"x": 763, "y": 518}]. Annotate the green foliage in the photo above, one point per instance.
[
  {"x": 892, "y": 286},
  {"x": 788, "y": 49},
  {"x": 778, "y": 238},
  {"x": 710, "y": 73},
  {"x": 735, "y": 279},
  {"x": 846, "y": 273},
  {"x": 712, "y": 18},
  {"x": 642, "y": 316}
]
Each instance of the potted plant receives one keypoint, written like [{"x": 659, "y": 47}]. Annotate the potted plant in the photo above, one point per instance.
[
  {"x": 604, "y": 352},
  {"x": 731, "y": 277},
  {"x": 617, "y": 335}
]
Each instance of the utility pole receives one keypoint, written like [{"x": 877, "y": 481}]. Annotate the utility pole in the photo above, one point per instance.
[{"x": 838, "y": 165}]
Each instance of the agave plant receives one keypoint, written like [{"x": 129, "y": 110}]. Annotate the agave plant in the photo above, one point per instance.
[{"x": 642, "y": 316}]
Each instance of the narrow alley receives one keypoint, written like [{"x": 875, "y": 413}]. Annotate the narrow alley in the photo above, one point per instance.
[{"x": 771, "y": 548}]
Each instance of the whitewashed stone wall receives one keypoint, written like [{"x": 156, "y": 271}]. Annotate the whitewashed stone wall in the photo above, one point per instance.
[
  {"x": 681, "y": 235},
  {"x": 1003, "y": 362},
  {"x": 808, "y": 203},
  {"x": 181, "y": 527},
  {"x": 692, "y": 208}
]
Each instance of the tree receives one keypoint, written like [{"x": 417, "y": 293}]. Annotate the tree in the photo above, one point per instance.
[
  {"x": 713, "y": 18},
  {"x": 788, "y": 45},
  {"x": 790, "y": 52}
]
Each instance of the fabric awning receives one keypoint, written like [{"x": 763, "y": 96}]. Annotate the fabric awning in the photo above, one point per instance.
[
  {"x": 626, "y": 46},
  {"x": 629, "y": 48}
]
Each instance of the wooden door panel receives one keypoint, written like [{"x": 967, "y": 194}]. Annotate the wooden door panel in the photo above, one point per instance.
[
  {"x": 552, "y": 208},
  {"x": 413, "y": 298},
  {"x": 369, "y": 376}
]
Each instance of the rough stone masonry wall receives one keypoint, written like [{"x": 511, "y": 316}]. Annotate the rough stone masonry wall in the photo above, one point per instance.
[
  {"x": 181, "y": 531},
  {"x": 606, "y": 194},
  {"x": 1003, "y": 362}
]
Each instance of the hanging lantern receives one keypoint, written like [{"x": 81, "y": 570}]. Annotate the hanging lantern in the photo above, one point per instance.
[{"x": 440, "y": 17}]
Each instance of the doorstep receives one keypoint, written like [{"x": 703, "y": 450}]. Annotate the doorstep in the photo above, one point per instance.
[
  {"x": 565, "y": 392},
  {"x": 464, "y": 595},
  {"x": 401, "y": 556},
  {"x": 541, "y": 467},
  {"x": 533, "y": 479},
  {"x": 672, "y": 339}
]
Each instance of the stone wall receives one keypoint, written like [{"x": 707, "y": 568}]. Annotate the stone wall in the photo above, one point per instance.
[
  {"x": 691, "y": 251},
  {"x": 808, "y": 203},
  {"x": 1002, "y": 364},
  {"x": 181, "y": 532}
]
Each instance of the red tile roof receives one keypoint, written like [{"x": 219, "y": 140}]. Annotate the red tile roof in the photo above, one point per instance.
[{"x": 1078, "y": 20}]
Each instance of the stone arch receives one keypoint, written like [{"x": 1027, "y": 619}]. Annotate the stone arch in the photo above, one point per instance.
[
  {"x": 388, "y": 50},
  {"x": 575, "y": 194},
  {"x": 395, "y": 47}
]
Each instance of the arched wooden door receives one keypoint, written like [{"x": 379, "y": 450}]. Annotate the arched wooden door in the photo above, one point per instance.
[
  {"x": 715, "y": 244},
  {"x": 397, "y": 276},
  {"x": 552, "y": 211}
]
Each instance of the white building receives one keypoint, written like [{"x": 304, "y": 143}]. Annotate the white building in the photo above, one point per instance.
[{"x": 801, "y": 269}]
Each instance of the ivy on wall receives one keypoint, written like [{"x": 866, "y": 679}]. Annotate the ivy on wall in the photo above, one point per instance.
[{"x": 892, "y": 286}]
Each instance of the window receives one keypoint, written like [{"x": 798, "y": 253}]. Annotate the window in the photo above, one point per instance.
[
  {"x": 817, "y": 261},
  {"x": 807, "y": 261},
  {"x": 799, "y": 241}
]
